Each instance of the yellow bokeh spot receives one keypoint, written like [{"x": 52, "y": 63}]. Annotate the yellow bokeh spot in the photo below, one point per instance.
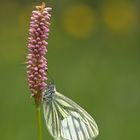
[
  {"x": 120, "y": 16},
  {"x": 79, "y": 21}
]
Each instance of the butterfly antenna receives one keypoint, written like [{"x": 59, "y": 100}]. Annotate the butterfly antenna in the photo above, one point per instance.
[{"x": 51, "y": 81}]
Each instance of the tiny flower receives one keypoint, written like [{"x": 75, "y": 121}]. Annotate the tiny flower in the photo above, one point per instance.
[{"x": 37, "y": 49}]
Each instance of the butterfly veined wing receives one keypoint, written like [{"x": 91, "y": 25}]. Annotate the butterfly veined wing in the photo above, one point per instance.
[{"x": 66, "y": 120}]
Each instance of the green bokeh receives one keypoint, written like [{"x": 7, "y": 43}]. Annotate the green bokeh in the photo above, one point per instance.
[{"x": 101, "y": 72}]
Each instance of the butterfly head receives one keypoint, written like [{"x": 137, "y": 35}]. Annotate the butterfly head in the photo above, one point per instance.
[
  {"x": 49, "y": 92},
  {"x": 51, "y": 87}
]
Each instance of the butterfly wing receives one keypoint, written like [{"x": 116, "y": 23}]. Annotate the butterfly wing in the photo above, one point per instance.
[{"x": 66, "y": 120}]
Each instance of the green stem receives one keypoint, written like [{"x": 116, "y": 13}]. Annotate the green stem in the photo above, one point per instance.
[{"x": 38, "y": 114}]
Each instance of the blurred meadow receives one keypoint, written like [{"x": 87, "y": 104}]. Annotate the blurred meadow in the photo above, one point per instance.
[{"x": 93, "y": 57}]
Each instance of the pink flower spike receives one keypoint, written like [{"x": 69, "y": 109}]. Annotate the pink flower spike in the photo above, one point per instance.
[{"x": 37, "y": 49}]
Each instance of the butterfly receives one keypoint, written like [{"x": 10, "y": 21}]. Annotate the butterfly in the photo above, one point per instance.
[{"x": 65, "y": 119}]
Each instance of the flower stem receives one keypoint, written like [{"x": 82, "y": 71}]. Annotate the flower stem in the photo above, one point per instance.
[{"x": 39, "y": 125}]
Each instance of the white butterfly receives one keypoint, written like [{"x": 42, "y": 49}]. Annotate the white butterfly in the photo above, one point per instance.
[{"x": 65, "y": 119}]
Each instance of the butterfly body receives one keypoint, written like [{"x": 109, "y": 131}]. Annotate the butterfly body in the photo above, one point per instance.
[{"x": 65, "y": 119}]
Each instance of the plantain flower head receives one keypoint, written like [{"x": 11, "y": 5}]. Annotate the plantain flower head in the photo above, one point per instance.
[{"x": 37, "y": 49}]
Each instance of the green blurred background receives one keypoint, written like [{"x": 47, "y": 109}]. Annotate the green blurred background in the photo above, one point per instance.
[{"x": 94, "y": 58}]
